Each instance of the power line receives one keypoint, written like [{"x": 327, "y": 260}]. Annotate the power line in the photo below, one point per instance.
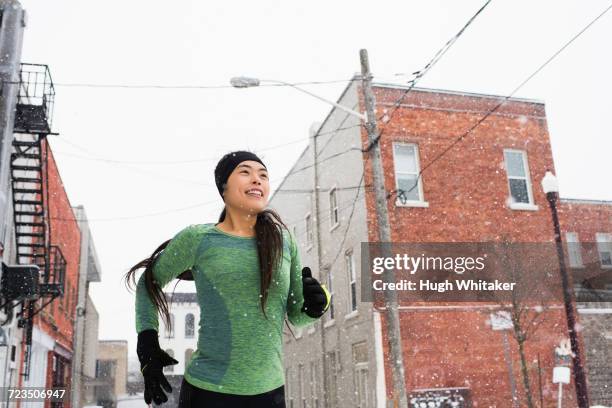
[
  {"x": 419, "y": 74},
  {"x": 169, "y": 162},
  {"x": 504, "y": 100},
  {"x": 157, "y": 86}
]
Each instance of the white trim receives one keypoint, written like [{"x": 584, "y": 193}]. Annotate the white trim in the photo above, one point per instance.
[
  {"x": 381, "y": 389},
  {"x": 351, "y": 315},
  {"x": 595, "y": 311},
  {"x": 417, "y": 164},
  {"x": 524, "y": 207},
  {"x": 42, "y": 338},
  {"x": 329, "y": 323},
  {"x": 423, "y": 204},
  {"x": 531, "y": 204}
]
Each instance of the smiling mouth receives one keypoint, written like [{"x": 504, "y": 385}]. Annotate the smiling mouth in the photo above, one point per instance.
[{"x": 255, "y": 195}]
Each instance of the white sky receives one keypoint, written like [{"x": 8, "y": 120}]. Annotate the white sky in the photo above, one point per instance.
[{"x": 198, "y": 43}]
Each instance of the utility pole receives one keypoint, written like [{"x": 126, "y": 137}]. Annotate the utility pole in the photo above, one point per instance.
[
  {"x": 384, "y": 234},
  {"x": 315, "y": 217},
  {"x": 12, "y": 23}
]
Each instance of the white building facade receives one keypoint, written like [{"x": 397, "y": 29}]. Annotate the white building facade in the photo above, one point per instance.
[{"x": 181, "y": 341}]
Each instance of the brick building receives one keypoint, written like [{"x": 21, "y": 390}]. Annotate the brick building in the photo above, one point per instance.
[
  {"x": 485, "y": 189},
  {"x": 52, "y": 348},
  {"x": 587, "y": 225}
]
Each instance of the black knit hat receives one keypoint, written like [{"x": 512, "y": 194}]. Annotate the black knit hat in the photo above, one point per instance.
[{"x": 228, "y": 163}]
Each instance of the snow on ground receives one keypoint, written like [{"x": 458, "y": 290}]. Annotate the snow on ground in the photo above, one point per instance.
[{"x": 131, "y": 401}]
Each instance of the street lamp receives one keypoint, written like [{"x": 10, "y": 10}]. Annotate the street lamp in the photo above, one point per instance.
[
  {"x": 248, "y": 82},
  {"x": 551, "y": 188}
]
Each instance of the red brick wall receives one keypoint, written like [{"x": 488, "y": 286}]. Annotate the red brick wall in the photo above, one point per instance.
[
  {"x": 467, "y": 191},
  {"x": 585, "y": 218},
  {"x": 58, "y": 322}
]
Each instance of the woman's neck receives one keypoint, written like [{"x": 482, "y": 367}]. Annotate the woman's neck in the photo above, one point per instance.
[{"x": 239, "y": 224}]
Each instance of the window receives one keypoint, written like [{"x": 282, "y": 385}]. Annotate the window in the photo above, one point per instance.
[
  {"x": 573, "y": 250},
  {"x": 189, "y": 325},
  {"x": 314, "y": 391},
  {"x": 188, "y": 354},
  {"x": 518, "y": 178},
  {"x": 309, "y": 230},
  {"x": 170, "y": 330},
  {"x": 170, "y": 368},
  {"x": 360, "y": 374},
  {"x": 604, "y": 247},
  {"x": 333, "y": 208},
  {"x": 407, "y": 180},
  {"x": 352, "y": 282}
]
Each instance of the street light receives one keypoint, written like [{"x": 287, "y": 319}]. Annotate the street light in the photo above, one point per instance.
[
  {"x": 248, "y": 82},
  {"x": 551, "y": 188}
]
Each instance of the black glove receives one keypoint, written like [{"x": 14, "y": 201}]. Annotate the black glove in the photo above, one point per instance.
[
  {"x": 316, "y": 297},
  {"x": 152, "y": 362}
]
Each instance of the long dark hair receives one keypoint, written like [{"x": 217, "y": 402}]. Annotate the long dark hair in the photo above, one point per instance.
[{"x": 268, "y": 231}]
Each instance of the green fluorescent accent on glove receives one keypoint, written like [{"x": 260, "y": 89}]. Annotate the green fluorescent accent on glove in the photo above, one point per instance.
[{"x": 328, "y": 296}]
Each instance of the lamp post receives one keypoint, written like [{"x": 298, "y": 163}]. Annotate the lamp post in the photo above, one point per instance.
[
  {"x": 551, "y": 188},
  {"x": 248, "y": 82}
]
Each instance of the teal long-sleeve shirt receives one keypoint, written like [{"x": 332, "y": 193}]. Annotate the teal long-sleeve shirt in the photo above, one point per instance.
[{"x": 239, "y": 351}]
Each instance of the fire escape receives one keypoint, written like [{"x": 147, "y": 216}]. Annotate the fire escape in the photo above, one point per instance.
[{"x": 29, "y": 177}]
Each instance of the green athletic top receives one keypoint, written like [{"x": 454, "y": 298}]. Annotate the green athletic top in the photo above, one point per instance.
[{"x": 239, "y": 351}]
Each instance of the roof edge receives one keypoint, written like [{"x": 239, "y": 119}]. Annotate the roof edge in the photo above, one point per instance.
[{"x": 451, "y": 92}]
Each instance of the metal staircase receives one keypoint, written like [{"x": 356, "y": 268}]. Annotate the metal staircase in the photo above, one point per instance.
[{"x": 30, "y": 193}]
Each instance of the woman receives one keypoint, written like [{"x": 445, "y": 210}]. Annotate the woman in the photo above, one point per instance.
[{"x": 246, "y": 270}]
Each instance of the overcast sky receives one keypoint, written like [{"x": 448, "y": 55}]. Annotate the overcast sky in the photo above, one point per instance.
[{"x": 135, "y": 207}]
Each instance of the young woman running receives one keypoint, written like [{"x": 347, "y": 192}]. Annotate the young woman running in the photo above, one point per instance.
[{"x": 248, "y": 277}]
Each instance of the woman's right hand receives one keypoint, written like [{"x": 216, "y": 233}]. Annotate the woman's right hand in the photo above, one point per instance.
[{"x": 152, "y": 362}]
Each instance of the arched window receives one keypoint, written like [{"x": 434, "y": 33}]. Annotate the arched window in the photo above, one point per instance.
[
  {"x": 170, "y": 330},
  {"x": 170, "y": 368},
  {"x": 189, "y": 325},
  {"x": 188, "y": 354}
]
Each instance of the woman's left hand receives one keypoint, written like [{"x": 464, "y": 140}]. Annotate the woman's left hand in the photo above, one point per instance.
[{"x": 316, "y": 296}]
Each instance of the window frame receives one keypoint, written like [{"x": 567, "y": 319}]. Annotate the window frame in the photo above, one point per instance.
[
  {"x": 604, "y": 238},
  {"x": 334, "y": 211},
  {"x": 572, "y": 238},
  {"x": 531, "y": 205},
  {"x": 192, "y": 326},
  {"x": 417, "y": 158},
  {"x": 351, "y": 281},
  {"x": 309, "y": 232}
]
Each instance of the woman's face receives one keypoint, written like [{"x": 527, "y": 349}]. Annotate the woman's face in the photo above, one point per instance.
[{"x": 242, "y": 185}]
